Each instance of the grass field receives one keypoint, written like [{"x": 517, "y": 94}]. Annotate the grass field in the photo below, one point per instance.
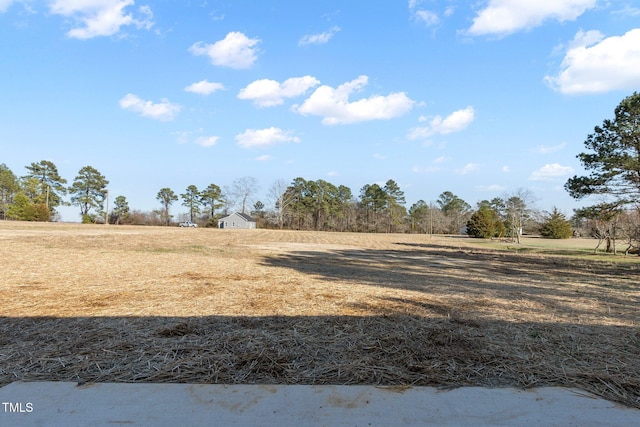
[{"x": 152, "y": 304}]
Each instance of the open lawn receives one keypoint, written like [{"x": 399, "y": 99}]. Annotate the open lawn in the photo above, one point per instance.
[{"x": 152, "y": 304}]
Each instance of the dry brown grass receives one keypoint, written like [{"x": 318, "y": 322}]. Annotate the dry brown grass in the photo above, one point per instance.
[{"x": 145, "y": 304}]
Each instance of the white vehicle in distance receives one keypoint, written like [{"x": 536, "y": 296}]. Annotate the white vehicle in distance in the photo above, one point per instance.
[{"x": 188, "y": 224}]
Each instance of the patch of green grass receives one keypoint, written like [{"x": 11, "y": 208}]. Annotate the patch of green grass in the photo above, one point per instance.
[{"x": 574, "y": 248}]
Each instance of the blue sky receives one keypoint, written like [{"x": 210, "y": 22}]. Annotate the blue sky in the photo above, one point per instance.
[{"x": 477, "y": 98}]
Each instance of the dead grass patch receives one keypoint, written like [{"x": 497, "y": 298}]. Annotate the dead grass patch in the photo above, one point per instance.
[{"x": 145, "y": 304}]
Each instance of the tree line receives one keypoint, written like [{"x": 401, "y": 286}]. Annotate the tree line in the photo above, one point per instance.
[
  {"x": 299, "y": 205},
  {"x": 612, "y": 160},
  {"x": 35, "y": 196}
]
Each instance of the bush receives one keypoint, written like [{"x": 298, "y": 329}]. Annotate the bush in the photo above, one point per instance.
[
  {"x": 485, "y": 223},
  {"x": 556, "y": 226}
]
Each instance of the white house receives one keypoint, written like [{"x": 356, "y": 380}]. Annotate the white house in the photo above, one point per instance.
[{"x": 237, "y": 220}]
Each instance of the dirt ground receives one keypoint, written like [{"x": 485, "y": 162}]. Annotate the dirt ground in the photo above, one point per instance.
[{"x": 154, "y": 304}]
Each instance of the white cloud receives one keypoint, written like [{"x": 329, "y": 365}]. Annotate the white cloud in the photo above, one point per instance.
[
  {"x": 263, "y": 138},
  {"x": 427, "y": 17},
  {"x": 333, "y": 104},
  {"x": 454, "y": 122},
  {"x": 379, "y": 156},
  {"x": 504, "y": 17},
  {"x": 440, "y": 159},
  {"x": 267, "y": 93},
  {"x": 543, "y": 149},
  {"x": 163, "y": 110},
  {"x": 333, "y": 173},
  {"x": 506, "y": 169},
  {"x": 95, "y": 18},
  {"x": 4, "y": 5},
  {"x": 628, "y": 11},
  {"x": 467, "y": 169},
  {"x": 550, "y": 172},
  {"x": 264, "y": 158},
  {"x": 204, "y": 87},
  {"x": 321, "y": 38},
  {"x": 594, "y": 64},
  {"x": 207, "y": 141},
  {"x": 235, "y": 51}
]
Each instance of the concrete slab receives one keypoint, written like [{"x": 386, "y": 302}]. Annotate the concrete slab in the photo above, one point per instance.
[{"x": 66, "y": 404}]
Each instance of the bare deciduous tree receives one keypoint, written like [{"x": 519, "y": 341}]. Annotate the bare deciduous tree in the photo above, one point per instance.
[
  {"x": 242, "y": 190},
  {"x": 280, "y": 198}
]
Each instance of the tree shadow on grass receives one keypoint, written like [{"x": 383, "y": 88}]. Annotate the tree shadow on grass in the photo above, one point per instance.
[
  {"x": 554, "y": 283},
  {"x": 379, "y": 349},
  {"x": 405, "y": 338}
]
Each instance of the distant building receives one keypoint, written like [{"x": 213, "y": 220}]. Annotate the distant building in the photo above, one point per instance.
[{"x": 237, "y": 220}]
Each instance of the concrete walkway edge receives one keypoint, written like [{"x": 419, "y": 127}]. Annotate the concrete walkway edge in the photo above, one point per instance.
[{"x": 109, "y": 404}]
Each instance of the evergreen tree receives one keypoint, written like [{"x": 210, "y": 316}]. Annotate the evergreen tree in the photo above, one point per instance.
[
  {"x": 613, "y": 158},
  {"x": 88, "y": 191},
  {"x": 420, "y": 216},
  {"x": 51, "y": 186},
  {"x": 258, "y": 209},
  {"x": 166, "y": 196},
  {"x": 191, "y": 199},
  {"x": 556, "y": 226},
  {"x": 485, "y": 223},
  {"x": 9, "y": 186},
  {"x": 455, "y": 209},
  {"x": 120, "y": 210},
  {"x": 211, "y": 198},
  {"x": 23, "y": 209},
  {"x": 395, "y": 204},
  {"x": 373, "y": 199}
]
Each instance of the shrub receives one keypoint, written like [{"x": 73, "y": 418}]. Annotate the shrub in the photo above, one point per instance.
[
  {"x": 556, "y": 226},
  {"x": 485, "y": 223}
]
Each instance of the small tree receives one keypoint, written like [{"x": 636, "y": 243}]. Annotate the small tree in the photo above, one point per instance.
[
  {"x": 556, "y": 226},
  {"x": 485, "y": 223},
  {"x": 602, "y": 220},
  {"x": 258, "y": 209},
  {"x": 120, "y": 210},
  {"x": 166, "y": 197}
]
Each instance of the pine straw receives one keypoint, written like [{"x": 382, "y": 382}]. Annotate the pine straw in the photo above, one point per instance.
[{"x": 160, "y": 305}]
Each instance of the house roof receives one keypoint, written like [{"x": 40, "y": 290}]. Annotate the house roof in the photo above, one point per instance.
[
  {"x": 241, "y": 215},
  {"x": 247, "y": 217}
]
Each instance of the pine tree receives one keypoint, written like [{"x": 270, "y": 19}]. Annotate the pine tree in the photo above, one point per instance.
[
  {"x": 88, "y": 191},
  {"x": 556, "y": 226},
  {"x": 485, "y": 223}
]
